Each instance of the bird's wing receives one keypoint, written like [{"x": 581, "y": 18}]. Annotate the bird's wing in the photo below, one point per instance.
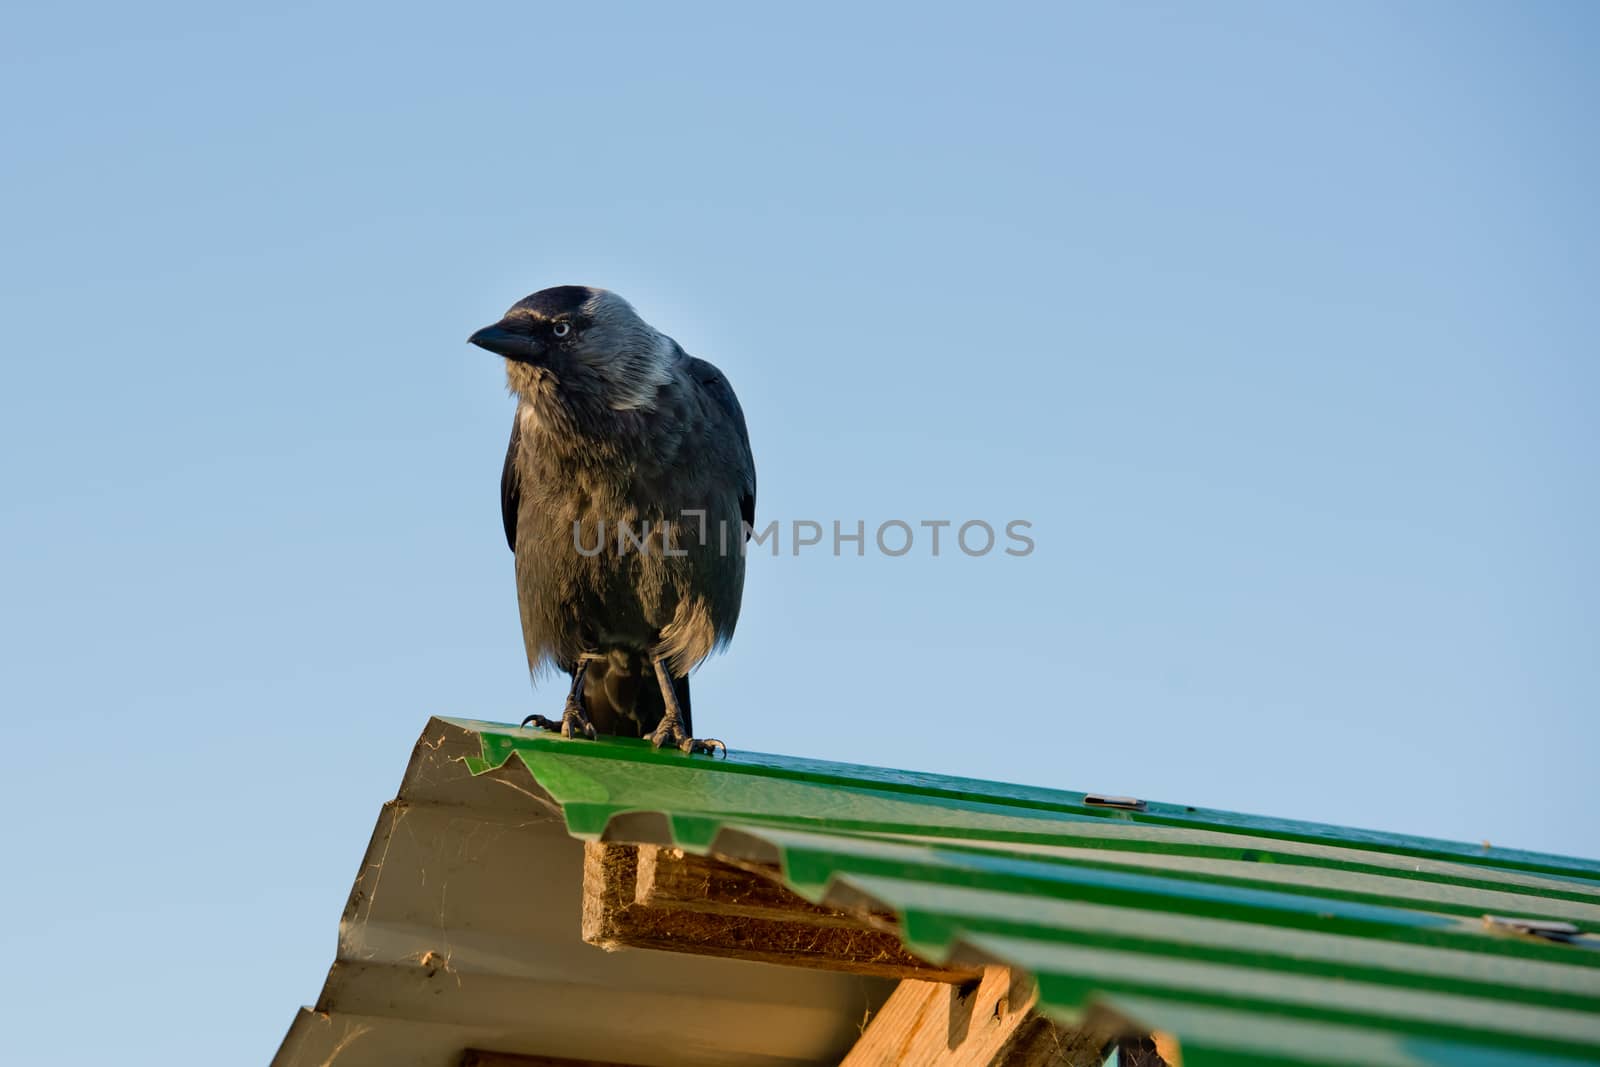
[
  {"x": 716, "y": 386},
  {"x": 511, "y": 486}
]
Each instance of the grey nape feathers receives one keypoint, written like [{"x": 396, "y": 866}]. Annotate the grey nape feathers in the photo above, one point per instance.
[{"x": 627, "y": 494}]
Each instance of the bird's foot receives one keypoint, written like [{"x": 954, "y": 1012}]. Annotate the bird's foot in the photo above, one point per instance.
[
  {"x": 670, "y": 734},
  {"x": 573, "y": 722}
]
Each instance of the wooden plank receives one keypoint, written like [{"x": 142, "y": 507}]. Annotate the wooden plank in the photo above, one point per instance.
[
  {"x": 644, "y": 897},
  {"x": 670, "y": 877},
  {"x": 641, "y": 896},
  {"x": 988, "y": 1023}
]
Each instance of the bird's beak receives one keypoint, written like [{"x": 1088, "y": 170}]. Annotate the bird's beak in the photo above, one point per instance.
[{"x": 510, "y": 343}]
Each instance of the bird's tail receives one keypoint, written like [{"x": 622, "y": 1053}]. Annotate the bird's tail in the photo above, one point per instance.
[{"x": 623, "y": 698}]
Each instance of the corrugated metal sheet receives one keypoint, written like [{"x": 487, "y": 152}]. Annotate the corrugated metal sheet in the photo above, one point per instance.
[
  {"x": 1255, "y": 940},
  {"x": 463, "y": 931}
]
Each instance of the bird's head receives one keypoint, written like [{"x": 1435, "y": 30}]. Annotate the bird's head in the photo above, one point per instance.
[{"x": 583, "y": 346}]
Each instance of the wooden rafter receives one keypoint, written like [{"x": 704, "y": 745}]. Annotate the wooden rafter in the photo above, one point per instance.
[
  {"x": 640, "y": 896},
  {"x": 987, "y": 1023}
]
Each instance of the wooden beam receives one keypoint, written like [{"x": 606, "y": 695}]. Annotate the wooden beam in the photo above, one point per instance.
[
  {"x": 988, "y": 1023},
  {"x": 640, "y": 896},
  {"x": 672, "y": 878}
]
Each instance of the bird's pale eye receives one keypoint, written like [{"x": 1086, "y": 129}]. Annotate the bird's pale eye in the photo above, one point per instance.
[{"x": 561, "y": 329}]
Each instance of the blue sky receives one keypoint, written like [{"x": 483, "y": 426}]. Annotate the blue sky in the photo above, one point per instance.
[{"x": 1277, "y": 322}]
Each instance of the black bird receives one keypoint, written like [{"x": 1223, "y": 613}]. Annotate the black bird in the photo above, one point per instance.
[{"x": 628, "y": 492}]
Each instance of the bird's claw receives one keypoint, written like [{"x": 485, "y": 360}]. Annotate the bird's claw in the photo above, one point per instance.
[
  {"x": 573, "y": 723},
  {"x": 670, "y": 734},
  {"x": 705, "y": 746}
]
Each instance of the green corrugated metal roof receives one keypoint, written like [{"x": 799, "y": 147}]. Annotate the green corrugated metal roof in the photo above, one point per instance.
[{"x": 1255, "y": 940}]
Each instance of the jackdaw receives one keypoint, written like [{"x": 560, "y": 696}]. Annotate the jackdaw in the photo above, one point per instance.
[{"x": 627, "y": 494}]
